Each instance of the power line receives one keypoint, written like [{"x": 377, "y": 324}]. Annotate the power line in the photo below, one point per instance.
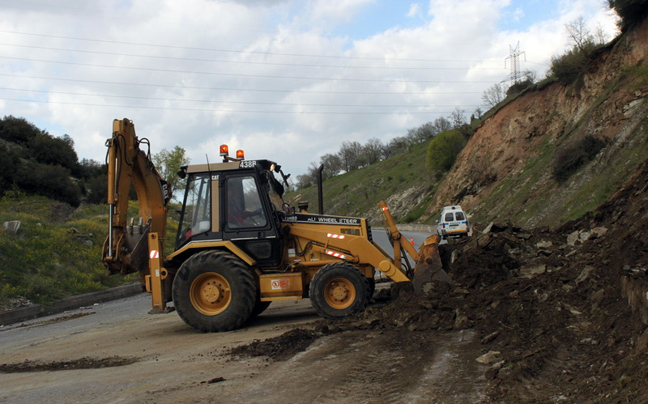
[
  {"x": 246, "y": 61},
  {"x": 265, "y": 53},
  {"x": 227, "y": 101},
  {"x": 261, "y": 90},
  {"x": 226, "y": 110},
  {"x": 261, "y": 76}
]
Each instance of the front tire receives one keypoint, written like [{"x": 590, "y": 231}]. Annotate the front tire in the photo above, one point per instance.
[
  {"x": 338, "y": 290},
  {"x": 214, "y": 291}
]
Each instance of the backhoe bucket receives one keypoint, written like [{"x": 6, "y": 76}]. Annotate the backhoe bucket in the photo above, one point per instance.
[
  {"x": 428, "y": 261},
  {"x": 428, "y": 265}
]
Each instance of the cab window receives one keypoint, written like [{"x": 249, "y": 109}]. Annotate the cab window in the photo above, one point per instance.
[
  {"x": 196, "y": 216},
  {"x": 244, "y": 208}
]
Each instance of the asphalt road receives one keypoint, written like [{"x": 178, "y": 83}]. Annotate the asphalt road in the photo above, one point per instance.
[{"x": 116, "y": 352}]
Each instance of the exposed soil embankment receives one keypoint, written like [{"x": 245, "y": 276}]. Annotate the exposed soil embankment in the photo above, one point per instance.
[
  {"x": 506, "y": 171},
  {"x": 561, "y": 313},
  {"x": 558, "y": 315}
]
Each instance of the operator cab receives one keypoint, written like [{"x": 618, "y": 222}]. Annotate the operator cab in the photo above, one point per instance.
[{"x": 238, "y": 201}]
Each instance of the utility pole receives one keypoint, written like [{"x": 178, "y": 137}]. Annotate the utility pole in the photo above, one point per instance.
[{"x": 514, "y": 55}]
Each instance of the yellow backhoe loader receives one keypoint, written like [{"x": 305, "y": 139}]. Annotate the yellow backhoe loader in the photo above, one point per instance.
[{"x": 239, "y": 247}]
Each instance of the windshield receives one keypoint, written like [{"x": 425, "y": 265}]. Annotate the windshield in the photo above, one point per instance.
[
  {"x": 244, "y": 208},
  {"x": 196, "y": 216}
]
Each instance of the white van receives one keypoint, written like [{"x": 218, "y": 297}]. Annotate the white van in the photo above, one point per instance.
[{"x": 453, "y": 223}]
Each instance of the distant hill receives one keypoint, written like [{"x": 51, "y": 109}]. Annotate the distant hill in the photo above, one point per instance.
[
  {"x": 550, "y": 155},
  {"x": 558, "y": 151},
  {"x": 402, "y": 181}
]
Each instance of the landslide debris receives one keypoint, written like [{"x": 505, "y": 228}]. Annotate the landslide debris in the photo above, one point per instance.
[
  {"x": 561, "y": 313},
  {"x": 281, "y": 347},
  {"x": 75, "y": 364}
]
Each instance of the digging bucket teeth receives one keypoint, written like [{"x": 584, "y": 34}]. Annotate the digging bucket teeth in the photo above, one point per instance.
[{"x": 428, "y": 265}]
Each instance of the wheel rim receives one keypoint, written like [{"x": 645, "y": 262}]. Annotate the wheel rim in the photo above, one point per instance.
[
  {"x": 210, "y": 293},
  {"x": 339, "y": 293}
]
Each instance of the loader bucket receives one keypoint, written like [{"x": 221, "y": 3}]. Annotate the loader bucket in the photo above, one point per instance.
[{"x": 428, "y": 265}]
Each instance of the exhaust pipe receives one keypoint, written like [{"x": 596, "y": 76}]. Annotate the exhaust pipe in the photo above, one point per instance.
[{"x": 320, "y": 198}]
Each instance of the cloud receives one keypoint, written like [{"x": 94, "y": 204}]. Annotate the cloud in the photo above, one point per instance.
[
  {"x": 414, "y": 10},
  {"x": 285, "y": 80}
]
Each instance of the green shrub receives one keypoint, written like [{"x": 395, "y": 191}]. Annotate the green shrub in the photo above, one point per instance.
[
  {"x": 569, "y": 159},
  {"x": 17, "y": 130},
  {"x": 443, "y": 150},
  {"x": 519, "y": 86},
  {"x": 632, "y": 12},
  {"x": 47, "y": 149},
  {"x": 568, "y": 67},
  {"x": 9, "y": 161},
  {"x": 51, "y": 181}
]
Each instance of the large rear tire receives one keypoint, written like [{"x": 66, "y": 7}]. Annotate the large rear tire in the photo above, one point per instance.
[
  {"x": 338, "y": 290},
  {"x": 214, "y": 291},
  {"x": 259, "y": 307}
]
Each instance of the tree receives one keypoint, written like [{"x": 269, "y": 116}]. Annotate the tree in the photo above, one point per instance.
[
  {"x": 458, "y": 118},
  {"x": 493, "y": 95},
  {"x": 568, "y": 67},
  {"x": 632, "y": 12},
  {"x": 51, "y": 150},
  {"x": 47, "y": 180},
  {"x": 9, "y": 162},
  {"x": 372, "y": 152},
  {"x": 304, "y": 181},
  {"x": 332, "y": 165},
  {"x": 578, "y": 33},
  {"x": 443, "y": 150},
  {"x": 521, "y": 85},
  {"x": 477, "y": 114},
  {"x": 441, "y": 125},
  {"x": 397, "y": 145},
  {"x": 168, "y": 163},
  {"x": 350, "y": 155},
  {"x": 17, "y": 130}
]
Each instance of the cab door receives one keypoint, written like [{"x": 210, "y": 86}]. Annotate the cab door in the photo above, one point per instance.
[{"x": 248, "y": 218}]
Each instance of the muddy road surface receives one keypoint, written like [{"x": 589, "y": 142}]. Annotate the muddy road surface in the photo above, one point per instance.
[{"x": 117, "y": 353}]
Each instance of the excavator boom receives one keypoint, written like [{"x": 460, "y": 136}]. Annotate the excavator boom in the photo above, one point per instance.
[
  {"x": 126, "y": 248},
  {"x": 428, "y": 266}
]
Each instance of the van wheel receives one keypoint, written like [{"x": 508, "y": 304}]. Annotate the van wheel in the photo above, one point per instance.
[
  {"x": 338, "y": 290},
  {"x": 214, "y": 291}
]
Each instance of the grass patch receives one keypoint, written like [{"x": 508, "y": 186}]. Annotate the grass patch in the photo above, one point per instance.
[
  {"x": 56, "y": 252},
  {"x": 359, "y": 191}
]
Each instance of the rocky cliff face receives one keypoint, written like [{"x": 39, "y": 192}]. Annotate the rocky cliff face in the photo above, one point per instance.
[{"x": 505, "y": 171}]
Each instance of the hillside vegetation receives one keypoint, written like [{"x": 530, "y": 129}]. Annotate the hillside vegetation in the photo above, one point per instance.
[
  {"x": 548, "y": 155},
  {"x": 402, "y": 181},
  {"x": 558, "y": 151},
  {"x": 540, "y": 158},
  {"x": 55, "y": 252}
]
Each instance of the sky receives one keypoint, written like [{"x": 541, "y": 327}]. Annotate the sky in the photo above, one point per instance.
[{"x": 284, "y": 80}]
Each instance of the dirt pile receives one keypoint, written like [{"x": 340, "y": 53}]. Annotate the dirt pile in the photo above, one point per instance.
[
  {"x": 73, "y": 364},
  {"x": 561, "y": 313},
  {"x": 279, "y": 348}
]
